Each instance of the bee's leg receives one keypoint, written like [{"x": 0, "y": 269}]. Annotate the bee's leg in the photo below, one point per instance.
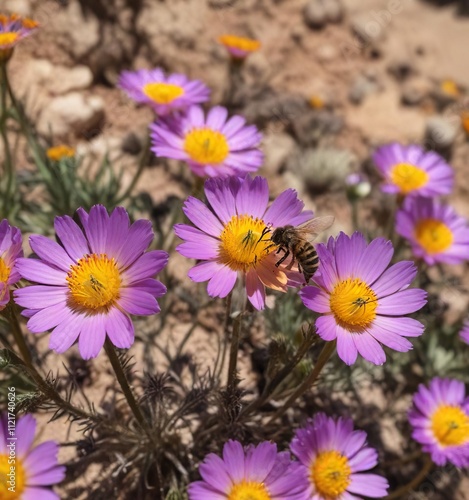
[
  {"x": 264, "y": 232},
  {"x": 287, "y": 253},
  {"x": 292, "y": 262}
]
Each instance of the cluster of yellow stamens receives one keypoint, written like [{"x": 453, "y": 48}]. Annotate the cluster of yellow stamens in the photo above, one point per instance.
[
  {"x": 19, "y": 477},
  {"x": 241, "y": 43},
  {"x": 433, "y": 235},
  {"x": 249, "y": 490},
  {"x": 330, "y": 474},
  {"x": 243, "y": 245},
  {"x": 206, "y": 146},
  {"x": 162, "y": 93},
  {"x": 408, "y": 177},
  {"x": 353, "y": 304},
  {"x": 94, "y": 282},
  {"x": 450, "y": 425},
  {"x": 60, "y": 152}
]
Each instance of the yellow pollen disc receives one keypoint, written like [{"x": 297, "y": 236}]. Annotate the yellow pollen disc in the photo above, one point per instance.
[
  {"x": 240, "y": 247},
  {"x": 433, "y": 235},
  {"x": 94, "y": 282},
  {"x": 249, "y": 490},
  {"x": 330, "y": 474},
  {"x": 450, "y": 425},
  {"x": 58, "y": 152},
  {"x": 17, "y": 475},
  {"x": 408, "y": 177},
  {"x": 4, "y": 271},
  {"x": 206, "y": 146},
  {"x": 8, "y": 38},
  {"x": 163, "y": 93},
  {"x": 353, "y": 304},
  {"x": 240, "y": 43}
]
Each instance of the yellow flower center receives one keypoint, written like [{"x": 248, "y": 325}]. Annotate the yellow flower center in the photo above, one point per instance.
[
  {"x": 433, "y": 235},
  {"x": 4, "y": 271},
  {"x": 330, "y": 474},
  {"x": 408, "y": 177},
  {"x": 12, "y": 478},
  {"x": 162, "y": 93},
  {"x": 206, "y": 146},
  {"x": 94, "y": 282},
  {"x": 450, "y": 425},
  {"x": 353, "y": 304},
  {"x": 8, "y": 38},
  {"x": 58, "y": 152},
  {"x": 249, "y": 490},
  {"x": 240, "y": 43},
  {"x": 240, "y": 247}
]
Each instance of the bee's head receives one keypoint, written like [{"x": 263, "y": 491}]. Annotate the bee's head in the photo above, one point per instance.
[{"x": 277, "y": 236}]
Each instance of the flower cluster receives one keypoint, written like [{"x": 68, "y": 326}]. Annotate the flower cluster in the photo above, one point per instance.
[{"x": 331, "y": 460}]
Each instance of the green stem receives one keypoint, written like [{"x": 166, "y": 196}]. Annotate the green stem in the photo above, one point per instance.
[
  {"x": 123, "y": 382},
  {"x": 324, "y": 356},
  {"x": 221, "y": 352},
  {"x": 141, "y": 167},
  {"x": 426, "y": 468},
  {"x": 8, "y": 173},
  {"x": 232, "y": 371},
  {"x": 280, "y": 376},
  {"x": 44, "y": 387}
]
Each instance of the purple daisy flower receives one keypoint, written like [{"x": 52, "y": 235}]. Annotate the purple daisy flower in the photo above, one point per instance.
[
  {"x": 464, "y": 333},
  {"x": 440, "y": 418},
  {"x": 228, "y": 236},
  {"x": 165, "y": 94},
  {"x": 436, "y": 233},
  {"x": 13, "y": 29},
  {"x": 10, "y": 250},
  {"x": 257, "y": 472},
  {"x": 361, "y": 302},
  {"x": 90, "y": 282},
  {"x": 212, "y": 146},
  {"x": 35, "y": 468},
  {"x": 409, "y": 170},
  {"x": 334, "y": 456}
]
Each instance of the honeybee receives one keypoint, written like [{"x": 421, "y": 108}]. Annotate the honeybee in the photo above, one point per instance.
[{"x": 297, "y": 242}]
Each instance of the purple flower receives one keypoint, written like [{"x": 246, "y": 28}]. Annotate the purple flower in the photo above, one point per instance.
[
  {"x": 434, "y": 230},
  {"x": 10, "y": 250},
  {"x": 13, "y": 28},
  {"x": 228, "y": 236},
  {"x": 440, "y": 418},
  {"x": 333, "y": 457},
  {"x": 92, "y": 280},
  {"x": 409, "y": 170},
  {"x": 212, "y": 146},
  {"x": 257, "y": 472},
  {"x": 464, "y": 333},
  {"x": 165, "y": 94},
  {"x": 36, "y": 468},
  {"x": 361, "y": 302}
]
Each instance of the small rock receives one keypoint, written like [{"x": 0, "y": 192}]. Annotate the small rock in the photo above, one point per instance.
[
  {"x": 361, "y": 88},
  {"x": 334, "y": 10},
  {"x": 68, "y": 79},
  {"x": 326, "y": 53},
  {"x": 311, "y": 126},
  {"x": 297, "y": 33},
  {"x": 278, "y": 148},
  {"x": 367, "y": 29},
  {"x": 314, "y": 14},
  {"x": 20, "y": 7},
  {"x": 131, "y": 144},
  {"x": 401, "y": 69},
  {"x": 440, "y": 134},
  {"x": 414, "y": 92},
  {"x": 72, "y": 113}
]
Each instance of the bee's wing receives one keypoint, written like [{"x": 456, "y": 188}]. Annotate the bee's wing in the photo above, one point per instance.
[{"x": 310, "y": 229}]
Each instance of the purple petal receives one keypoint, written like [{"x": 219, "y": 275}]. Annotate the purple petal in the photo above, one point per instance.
[
  {"x": 120, "y": 329},
  {"x": 72, "y": 237},
  {"x": 404, "y": 302},
  {"x": 92, "y": 336},
  {"x": 138, "y": 302},
  {"x": 51, "y": 252},
  {"x": 40, "y": 272}
]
